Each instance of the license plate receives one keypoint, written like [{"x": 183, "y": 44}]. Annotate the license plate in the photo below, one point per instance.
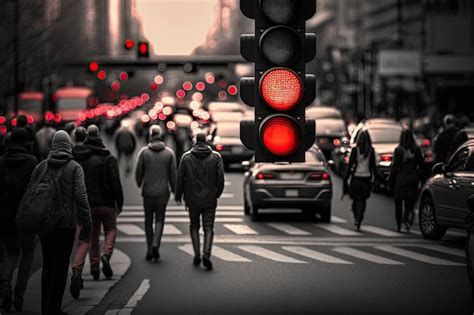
[
  {"x": 291, "y": 193},
  {"x": 291, "y": 176},
  {"x": 237, "y": 150}
]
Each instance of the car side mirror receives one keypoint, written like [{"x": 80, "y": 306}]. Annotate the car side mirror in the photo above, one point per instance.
[
  {"x": 246, "y": 165},
  {"x": 438, "y": 168}
]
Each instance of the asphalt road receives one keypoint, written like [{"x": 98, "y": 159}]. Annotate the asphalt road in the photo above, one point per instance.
[{"x": 286, "y": 264}]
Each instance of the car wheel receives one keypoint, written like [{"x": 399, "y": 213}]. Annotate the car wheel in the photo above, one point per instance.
[
  {"x": 326, "y": 214},
  {"x": 429, "y": 227},
  {"x": 246, "y": 206},
  {"x": 254, "y": 213}
]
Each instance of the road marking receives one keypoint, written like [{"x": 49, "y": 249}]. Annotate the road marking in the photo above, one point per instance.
[
  {"x": 130, "y": 229},
  {"x": 417, "y": 256},
  {"x": 227, "y": 183},
  {"x": 227, "y": 195},
  {"x": 288, "y": 229},
  {"x": 178, "y": 220},
  {"x": 456, "y": 233},
  {"x": 182, "y": 208},
  {"x": 218, "y": 252},
  {"x": 309, "y": 253},
  {"x": 335, "y": 219},
  {"x": 180, "y": 213},
  {"x": 366, "y": 256},
  {"x": 170, "y": 229},
  {"x": 445, "y": 250},
  {"x": 380, "y": 231},
  {"x": 269, "y": 254},
  {"x": 132, "y": 302},
  {"x": 241, "y": 229},
  {"x": 337, "y": 230}
]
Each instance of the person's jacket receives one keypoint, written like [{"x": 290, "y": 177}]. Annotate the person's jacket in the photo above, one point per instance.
[
  {"x": 104, "y": 188},
  {"x": 442, "y": 146},
  {"x": 125, "y": 141},
  {"x": 200, "y": 177},
  {"x": 156, "y": 171},
  {"x": 406, "y": 173},
  {"x": 43, "y": 141},
  {"x": 352, "y": 165},
  {"x": 16, "y": 167},
  {"x": 72, "y": 193}
]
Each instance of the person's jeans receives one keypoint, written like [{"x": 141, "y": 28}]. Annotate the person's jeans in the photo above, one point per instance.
[
  {"x": 208, "y": 218},
  {"x": 106, "y": 217},
  {"x": 358, "y": 206},
  {"x": 407, "y": 216},
  {"x": 154, "y": 213},
  {"x": 14, "y": 248},
  {"x": 57, "y": 247}
]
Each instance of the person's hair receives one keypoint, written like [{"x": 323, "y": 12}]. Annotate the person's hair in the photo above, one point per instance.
[
  {"x": 201, "y": 138},
  {"x": 21, "y": 121},
  {"x": 364, "y": 143},
  {"x": 407, "y": 140},
  {"x": 19, "y": 135},
  {"x": 449, "y": 120},
  {"x": 93, "y": 131},
  {"x": 155, "y": 132},
  {"x": 80, "y": 134}
]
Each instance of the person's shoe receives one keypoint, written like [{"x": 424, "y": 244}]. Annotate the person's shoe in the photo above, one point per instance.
[
  {"x": 7, "y": 301},
  {"x": 148, "y": 256},
  {"x": 399, "y": 228},
  {"x": 196, "y": 261},
  {"x": 76, "y": 282},
  {"x": 357, "y": 225},
  {"x": 106, "y": 268},
  {"x": 207, "y": 263},
  {"x": 155, "y": 253},
  {"x": 407, "y": 226},
  {"x": 95, "y": 272}
]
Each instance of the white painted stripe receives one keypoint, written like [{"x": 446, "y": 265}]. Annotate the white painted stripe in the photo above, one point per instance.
[
  {"x": 269, "y": 254},
  {"x": 182, "y": 208},
  {"x": 218, "y": 252},
  {"x": 170, "y": 229},
  {"x": 178, "y": 220},
  {"x": 240, "y": 229},
  {"x": 417, "y": 256},
  {"x": 227, "y": 183},
  {"x": 337, "y": 230},
  {"x": 180, "y": 213},
  {"x": 380, "y": 231},
  {"x": 139, "y": 294},
  {"x": 445, "y": 250},
  {"x": 227, "y": 195},
  {"x": 130, "y": 229},
  {"x": 112, "y": 312},
  {"x": 336, "y": 219},
  {"x": 456, "y": 233},
  {"x": 309, "y": 253},
  {"x": 366, "y": 256},
  {"x": 288, "y": 229}
]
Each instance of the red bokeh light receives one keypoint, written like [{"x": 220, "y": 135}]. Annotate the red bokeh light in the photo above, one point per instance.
[
  {"x": 14, "y": 122},
  {"x": 2, "y": 120},
  {"x": 222, "y": 83},
  {"x": 281, "y": 135},
  {"x": 30, "y": 119},
  {"x": 101, "y": 75},
  {"x": 222, "y": 95},
  {"x": 145, "y": 97},
  {"x": 187, "y": 86},
  {"x": 115, "y": 86},
  {"x": 143, "y": 49},
  {"x": 93, "y": 66},
  {"x": 129, "y": 44},
  {"x": 200, "y": 86},
  {"x": 210, "y": 78},
  {"x": 3, "y": 130},
  {"x": 180, "y": 94},
  {"x": 57, "y": 118},
  {"x": 281, "y": 89},
  {"x": 232, "y": 90},
  {"x": 48, "y": 116},
  {"x": 162, "y": 116},
  {"x": 123, "y": 76},
  {"x": 154, "y": 86}
]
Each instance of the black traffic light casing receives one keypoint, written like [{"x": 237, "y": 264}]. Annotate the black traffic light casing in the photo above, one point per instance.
[{"x": 303, "y": 47}]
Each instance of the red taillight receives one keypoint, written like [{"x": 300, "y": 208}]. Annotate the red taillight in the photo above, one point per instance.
[
  {"x": 386, "y": 158},
  {"x": 219, "y": 147},
  {"x": 14, "y": 122},
  {"x": 3, "y": 130},
  {"x": 345, "y": 160},
  {"x": 428, "y": 156},
  {"x": 263, "y": 175},
  {"x": 2, "y": 120},
  {"x": 48, "y": 116},
  {"x": 281, "y": 89},
  {"x": 129, "y": 44},
  {"x": 200, "y": 86},
  {"x": 319, "y": 176},
  {"x": 30, "y": 119},
  {"x": 57, "y": 118},
  {"x": 425, "y": 143},
  {"x": 336, "y": 142},
  {"x": 93, "y": 66},
  {"x": 280, "y": 135}
]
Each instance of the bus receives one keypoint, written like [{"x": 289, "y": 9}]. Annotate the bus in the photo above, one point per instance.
[{"x": 69, "y": 102}]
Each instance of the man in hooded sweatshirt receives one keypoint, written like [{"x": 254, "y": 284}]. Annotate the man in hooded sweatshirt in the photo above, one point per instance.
[
  {"x": 16, "y": 167},
  {"x": 104, "y": 191},
  {"x": 156, "y": 175},
  {"x": 58, "y": 242},
  {"x": 201, "y": 180}
]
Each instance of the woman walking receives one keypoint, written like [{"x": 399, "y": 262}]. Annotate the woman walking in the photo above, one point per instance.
[
  {"x": 359, "y": 174},
  {"x": 405, "y": 176}
]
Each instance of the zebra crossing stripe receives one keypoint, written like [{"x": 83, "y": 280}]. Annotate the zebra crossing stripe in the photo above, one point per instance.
[
  {"x": 380, "y": 231},
  {"x": 177, "y": 220},
  {"x": 218, "y": 252},
  {"x": 170, "y": 229},
  {"x": 179, "y": 213},
  {"x": 227, "y": 195},
  {"x": 309, "y": 253},
  {"x": 366, "y": 256},
  {"x": 445, "y": 250},
  {"x": 288, "y": 229},
  {"x": 337, "y": 230},
  {"x": 417, "y": 256},
  {"x": 130, "y": 229},
  {"x": 269, "y": 254},
  {"x": 241, "y": 229},
  {"x": 336, "y": 219},
  {"x": 175, "y": 207}
]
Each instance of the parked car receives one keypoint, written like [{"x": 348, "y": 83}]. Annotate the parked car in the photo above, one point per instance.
[
  {"x": 306, "y": 186},
  {"x": 329, "y": 133},
  {"x": 443, "y": 197},
  {"x": 319, "y": 112},
  {"x": 227, "y": 142}
]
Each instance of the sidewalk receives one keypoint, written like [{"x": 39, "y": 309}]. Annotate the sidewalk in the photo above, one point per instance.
[{"x": 91, "y": 295}]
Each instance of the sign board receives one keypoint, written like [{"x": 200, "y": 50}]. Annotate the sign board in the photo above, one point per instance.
[{"x": 399, "y": 63}]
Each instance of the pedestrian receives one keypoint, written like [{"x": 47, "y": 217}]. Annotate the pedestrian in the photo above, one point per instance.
[
  {"x": 16, "y": 167},
  {"x": 405, "y": 177},
  {"x": 44, "y": 137},
  {"x": 125, "y": 143},
  {"x": 360, "y": 172},
  {"x": 71, "y": 201},
  {"x": 80, "y": 136},
  {"x": 156, "y": 175},
  {"x": 22, "y": 122},
  {"x": 105, "y": 195},
  {"x": 201, "y": 181},
  {"x": 442, "y": 144}
]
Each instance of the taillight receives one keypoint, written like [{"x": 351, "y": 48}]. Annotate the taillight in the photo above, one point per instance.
[
  {"x": 425, "y": 143},
  {"x": 386, "y": 158},
  {"x": 263, "y": 175},
  {"x": 319, "y": 176},
  {"x": 2, "y": 120},
  {"x": 428, "y": 156},
  {"x": 345, "y": 160},
  {"x": 336, "y": 142},
  {"x": 3, "y": 130},
  {"x": 219, "y": 147}
]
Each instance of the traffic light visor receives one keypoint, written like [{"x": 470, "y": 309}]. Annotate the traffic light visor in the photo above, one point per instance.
[
  {"x": 280, "y": 11},
  {"x": 280, "y": 135},
  {"x": 281, "y": 89},
  {"x": 280, "y": 45}
]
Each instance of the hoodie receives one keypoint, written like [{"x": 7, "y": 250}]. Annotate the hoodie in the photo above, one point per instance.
[{"x": 155, "y": 173}]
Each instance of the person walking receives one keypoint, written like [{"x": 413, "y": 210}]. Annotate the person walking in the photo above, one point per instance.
[
  {"x": 125, "y": 143},
  {"x": 73, "y": 208},
  {"x": 155, "y": 174},
  {"x": 80, "y": 136},
  {"x": 16, "y": 167},
  {"x": 405, "y": 176},
  {"x": 201, "y": 181},
  {"x": 105, "y": 195},
  {"x": 43, "y": 140},
  {"x": 359, "y": 174},
  {"x": 443, "y": 142}
]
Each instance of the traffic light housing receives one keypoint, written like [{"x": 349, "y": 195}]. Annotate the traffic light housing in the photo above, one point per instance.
[
  {"x": 143, "y": 50},
  {"x": 281, "y": 89}
]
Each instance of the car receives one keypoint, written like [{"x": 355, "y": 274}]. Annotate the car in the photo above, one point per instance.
[
  {"x": 469, "y": 131},
  {"x": 306, "y": 186},
  {"x": 319, "y": 112},
  {"x": 329, "y": 133},
  {"x": 442, "y": 202},
  {"x": 385, "y": 138},
  {"x": 227, "y": 142}
]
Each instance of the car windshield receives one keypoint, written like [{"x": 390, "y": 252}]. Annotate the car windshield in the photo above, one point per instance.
[
  {"x": 228, "y": 130},
  {"x": 385, "y": 135},
  {"x": 330, "y": 126}
]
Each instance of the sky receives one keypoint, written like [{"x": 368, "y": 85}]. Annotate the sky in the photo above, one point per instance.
[{"x": 176, "y": 27}]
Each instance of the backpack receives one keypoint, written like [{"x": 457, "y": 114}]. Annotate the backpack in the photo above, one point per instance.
[{"x": 39, "y": 211}]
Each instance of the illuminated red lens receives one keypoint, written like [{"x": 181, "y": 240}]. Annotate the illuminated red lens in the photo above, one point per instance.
[
  {"x": 2, "y": 120},
  {"x": 154, "y": 86},
  {"x": 336, "y": 142},
  {"x": 281, "y": 135},
  {"x": 129, "y": 44},
  {"x": 232, "y": 90},
  {"x": 30, "y": 119},
  {"x": 115, "y": 86},
  {"x": 200, "y": 86},
  {"x": 180, "y": 93},
  {"x": 14, "y": 122},
  {"x": 143, "y": 48},
  {"x": 3, "y": 130},
  {"x": 386, "y": 158},
  {"x": 426, "y": 143},
  {"x": 49, "y": 116},
  {"x": 319, "y": 175},
  {"x": 93, "y": 66},
  {"x": 101, "y": 75},
  {"x": 57, "y": 118},
  {"x": 187, "y": 86},
  {"x": 281, "y": 89},
  {"x": 265, "y": 176},
  {"x": 219, "y": 147},
  {"x": 123, "y": 76}
]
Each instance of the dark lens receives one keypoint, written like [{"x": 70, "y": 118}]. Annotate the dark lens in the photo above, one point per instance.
[
  {"x": 280, "y": 11},
  {"x": 280, "y": 45}
]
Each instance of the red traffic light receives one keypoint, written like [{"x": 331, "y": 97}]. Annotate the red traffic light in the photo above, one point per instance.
[
  {"x": 281, "y": 89},
  {"x": 93, "y": 66},
  {"x": 143, "y": 49},
  {"x": 101, "y": 75},
  {"x": 280, "y": 135},
  {"x": 129, "y": 44}
]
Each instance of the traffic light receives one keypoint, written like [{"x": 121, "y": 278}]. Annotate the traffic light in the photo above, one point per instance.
[
  {"x": 143, "y": 50},
  {"x": 93, "y": 66},
  {"x": 128, "y": 44},
  {"x": 281, "y": 89}
]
